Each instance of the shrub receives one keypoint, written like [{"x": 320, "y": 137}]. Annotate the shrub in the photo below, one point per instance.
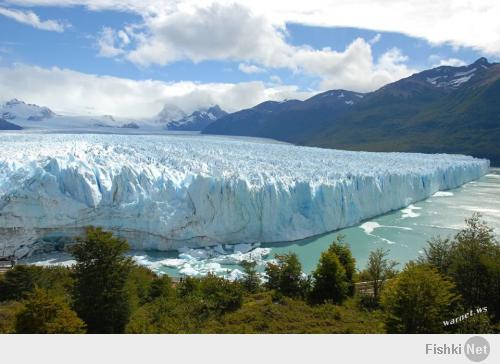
[
  {"x": 22, "y": 280},
  {"x": 285, "y": 276},
  {"x": 47, "y": 314},
  {"x": 161, "y": 287},
  {"x": 8, "y": 313},
  {"x": 418, "y": 300}
]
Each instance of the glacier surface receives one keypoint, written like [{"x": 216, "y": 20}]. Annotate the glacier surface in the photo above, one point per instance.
[{"x": 169, "y": 192}]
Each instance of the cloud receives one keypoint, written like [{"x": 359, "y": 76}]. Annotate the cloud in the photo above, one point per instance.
[
  {"x": 354, "y": 68},
  {"x": 439, "y": 61},
  {"x": 30, "y": 18},
  {"x": 217, "y": 32},
  {"x": 439, "y": 22},
  {"x": 109, "y": 42},
  {"x": 250, "y": 68},
  {"x": 235, "y": 33},
  {"x": 63, "y": 90},
  {"x": 275, "y": 79},
  {"x": 376, "y": 38}
]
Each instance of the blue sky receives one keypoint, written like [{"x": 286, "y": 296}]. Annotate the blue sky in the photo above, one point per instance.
[{"x": 288, "y": 58}]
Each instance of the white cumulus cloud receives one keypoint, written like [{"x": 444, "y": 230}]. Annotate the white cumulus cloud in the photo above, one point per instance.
[{"x": 236, "y": 33}]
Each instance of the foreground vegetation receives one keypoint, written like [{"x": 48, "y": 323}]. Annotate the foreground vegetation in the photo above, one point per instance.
[{"x": 106, "y": 292}]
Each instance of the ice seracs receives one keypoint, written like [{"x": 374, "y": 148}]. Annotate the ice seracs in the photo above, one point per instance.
[{"x": 168, "y": 192}]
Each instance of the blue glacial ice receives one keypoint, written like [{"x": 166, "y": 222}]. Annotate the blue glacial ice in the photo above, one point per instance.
[{"x": 168, "y": 192}]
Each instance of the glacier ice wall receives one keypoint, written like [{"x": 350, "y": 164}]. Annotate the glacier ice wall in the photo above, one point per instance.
[{"x": 166, "y": 192}]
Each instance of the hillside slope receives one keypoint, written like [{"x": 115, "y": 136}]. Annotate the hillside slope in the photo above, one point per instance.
[
  {"x": 290, "y": 120},
  {"x": 5, "y": 125},
  {"x": 442, "y": 110},
  {"x": 419, "y": 114}
]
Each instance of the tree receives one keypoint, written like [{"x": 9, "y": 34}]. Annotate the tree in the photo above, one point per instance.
[
  {"x": 418, "y": 300},
  {"x": 8, "y": 313},
  {"x": 472, "y": 260},
  {"x": 438, "y": 254},
  {"x": 285, "y": 276},
  {"x": 161, "y": 287},
  {"x": 220, "y": 295},
  {"x": 18, "y": 282},
  {"x": 22, "y": 280},
  {"x": 330, "y": 283},
  {"x": 211, "y": 294},
  {"x": 139, "y": 284},
  {"x": 47, "y": 314},
  {"x": 378, "y": 270},
  {"x": 102, "y": 298},
  {"x": 251, "y": 281},
  {"x": 344, "y": 254},
  {"x": 475, "y": 265}
]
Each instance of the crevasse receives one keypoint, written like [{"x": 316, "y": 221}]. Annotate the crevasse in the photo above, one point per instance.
[{"x": 166, "y": 192}]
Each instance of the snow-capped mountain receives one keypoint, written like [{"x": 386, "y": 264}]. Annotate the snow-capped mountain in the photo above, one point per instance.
[
  {"x": 448, "y": 77},
  {"x": 19, "y": 110},
  {"x": 30, "y": 116},
  {"x": 175, "y": 119}
]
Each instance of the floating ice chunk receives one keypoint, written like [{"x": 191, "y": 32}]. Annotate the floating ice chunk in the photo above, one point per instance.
[
  {"x": 369, "y": 226},
  {"x": 189, "y": 271},
  {"x": 173, "y": 262},
  {"x": 235, "y": 275},
  {"x": 409, "y": 212},
  {"x": 443, "y": 194}
]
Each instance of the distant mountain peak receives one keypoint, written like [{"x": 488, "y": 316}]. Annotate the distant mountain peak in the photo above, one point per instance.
[
  {"x": 176, "y": 119},
  {"x": 340, "y": 95},
  {"x": 14, "y": 102},
  {"x": 481, "y": 62},
  {"x": 449, "y": 78},
  {"x": 17, "y": 109}
]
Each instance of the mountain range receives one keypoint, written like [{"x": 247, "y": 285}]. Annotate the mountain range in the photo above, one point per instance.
[
  {"x": 16, "y": 115},
  {"x": 289, "y": 120},
  {"x": 174, "y": 118},
  {"x": 442, "y": 110}
]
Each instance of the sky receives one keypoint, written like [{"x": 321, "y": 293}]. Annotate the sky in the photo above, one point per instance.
[{"x": 130, "y": 58}]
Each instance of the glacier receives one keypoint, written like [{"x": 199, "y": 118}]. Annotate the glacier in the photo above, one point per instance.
[{"x": 165, "y": 192}]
